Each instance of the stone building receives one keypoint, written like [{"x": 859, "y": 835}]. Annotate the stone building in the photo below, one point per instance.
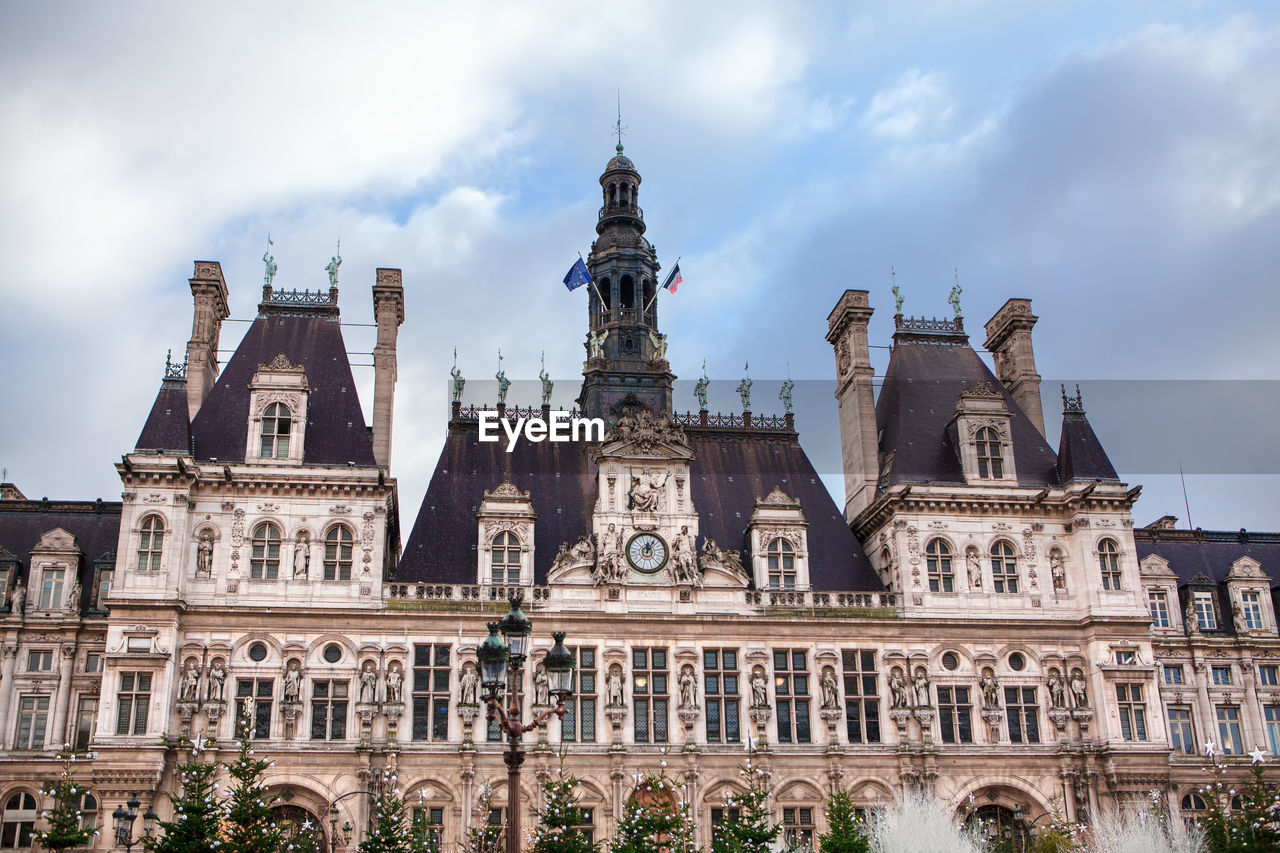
[{"x": 981, "y": 617}]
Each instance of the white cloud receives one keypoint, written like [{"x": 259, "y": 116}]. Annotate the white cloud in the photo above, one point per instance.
[{"x": 915, "y": 103}]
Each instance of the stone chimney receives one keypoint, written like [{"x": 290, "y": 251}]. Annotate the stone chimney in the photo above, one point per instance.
[
  {"x": 209, "y": 291},
  {"x": 1009, "y": 341},
  {"x": 388, "y": 313},
  {"x": 859, "y": 443}
]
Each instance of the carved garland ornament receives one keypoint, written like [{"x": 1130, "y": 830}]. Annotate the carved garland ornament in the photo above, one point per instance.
[
  {"x": 292, "y": 400},
  {"x": 494, "y": 527}
]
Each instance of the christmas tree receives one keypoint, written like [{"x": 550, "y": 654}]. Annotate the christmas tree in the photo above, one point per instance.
[
  {"x": 844, "y": 830},
  {"x": 559, "y": 820},
  {"x": 1244, "y": 818},
  {"x": 486, "y": 837},
  {"x": 249, "y": 827},
  {"x": 65, "y": 831},
  {"x": 197, "y": 812},
  {"x": 752, "y": 831},
  {"x": 389, "y": 833},
  {"x": 656, "y": 818}
]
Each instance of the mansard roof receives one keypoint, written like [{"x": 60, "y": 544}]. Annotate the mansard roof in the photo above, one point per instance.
[
  {"x": 1080, "y": 454},
  {"x": 94, "y": 524},
  {"x": 731, "y": 469},
  {"x": 917, "y": 402},
  {"x": 1210, "y": 553},
  {"x": 336, "y": 430},
  {"x": 167, "y": 427}
]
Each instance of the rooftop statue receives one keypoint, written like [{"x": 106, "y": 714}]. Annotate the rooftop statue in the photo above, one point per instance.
[
  {"x": 744, "y": 388},
  {"x": 954, "y": 298},
  {"x": 269, "y": 261},
  {"x": 897, "y": 294},
  {"x": 332, "y": 267},
  {"x": 503, "y": 382},
  {"x": 458, "y": 382},
  {"x": 700, "y": 390},
  {"x": 547, "y": 384},
  {"x": 785, "y": 393}
]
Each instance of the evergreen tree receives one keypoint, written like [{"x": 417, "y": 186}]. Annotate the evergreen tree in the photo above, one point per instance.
[
  {"x": 752, "y": 831},
  {"x": 197, "y": 812},
  {"x": 557, "y": 830},
  {"x": 64, "y": 831},
  {"x": 656, "y": 819},
  {"x": 389, "y": 833},
  {"x": 250, "y": 825},
  {"x": 1241, "y": 819},
  {"x": 485, "y": 837},
  {"x": 844, "y": 830}
]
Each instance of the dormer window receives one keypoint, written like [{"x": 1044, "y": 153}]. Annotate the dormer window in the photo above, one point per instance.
[
  {"x": 1109, "y": 564},
  {"x": 942, "y": 577},
  {"x": 51, "y": 588},
  {"x": 150, "y": 544},
  {"x": 990, "y": 460},
  {"x": 276, "y": 421},
  {"x": 264, "y": 561},
  {"x": 1251, "y": 610},
  {"x": 782, "y": 564},
  {"x": 504, "y": 558},
  {"x": 1004, "y": 567},
  {"x": 1206, "y": 618}
]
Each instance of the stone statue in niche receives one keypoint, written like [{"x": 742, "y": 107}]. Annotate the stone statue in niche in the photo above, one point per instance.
[
  {"x": 541, "y": 686},
  {"x": 920, "y": 686},
  {"x": 469, "y": 687},
  {"x": 395, "y": 683},
  {"x": 1057, "y": 690},
  {"x": 204, "y": 556},
  {"x": 1079, "y": 689},
  {"x": 189, "y": 686},
  {"x": 73, "y": 597},
  {"x": 19, "y": 597},
  {"x": 759, "y": 690},
  {"x": 830, "y": 691},
  {"x": 990, "y": 690},
  {"x": 1058, "y": 571},
  {"x": 688, "y": 688},
  {"x": 646, "y": 490},
  {"x": 217, "y": 675},
  {"x": 613, "y": 687},
  {"x": 975, "y": 567},
  {"x": 369, "y": 683},
  {"x": 612, "y": 566},
  {"x": 301, "y": 556},
  {"x": 684, "y": 562},
  {"x": 293, "y": 683},
  {"x": 898, "y": 689}
]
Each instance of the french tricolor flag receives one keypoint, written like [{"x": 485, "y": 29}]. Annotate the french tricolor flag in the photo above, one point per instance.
[{"x": 674, "y": 279}]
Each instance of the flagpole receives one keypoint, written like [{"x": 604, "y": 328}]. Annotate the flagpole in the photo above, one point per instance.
[{"x": 655, "y": 291}]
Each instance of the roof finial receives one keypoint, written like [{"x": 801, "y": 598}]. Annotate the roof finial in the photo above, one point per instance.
[
  {"x": 897, "y": 294},
  {"x": 1069, "y": 404},
  {"x": 619, "y": 128},
  {"x": 954, "y": 298}
]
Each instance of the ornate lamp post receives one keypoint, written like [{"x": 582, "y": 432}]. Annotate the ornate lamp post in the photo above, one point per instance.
[
  {"x": 333, "y": 828},
  {"x": 501, "y": 661},
  {"x": 124, "y": 820}
]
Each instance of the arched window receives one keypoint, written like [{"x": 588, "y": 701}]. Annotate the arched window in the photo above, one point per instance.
[
  {"x": 299, "y": 826},
  {"x": 18, "y": 821},
  {"x": 505, "y": 558},
  {"x": 990, "y": 462},
  {"x": 628, "y": 294},
  {"x": 942, "y": 577},
  {"x": 87, "y": 804},
  {"x": 1109, "y": 563},
  {"x": 782, "y": 565},
  {"x": 1004, "y": 829},
  {"x": 150, "y": 544},
  {"x": 264, "y": 562},
  {"x": 1004, "y": 567},
  {"x": 276, "y": 421},
  {"x": 338, "y": 544}
]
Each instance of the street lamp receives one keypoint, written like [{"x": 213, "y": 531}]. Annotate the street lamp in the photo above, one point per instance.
[
  {"x": 502, "y": 662},
  {"x": 333, "y": 828},
  {"x": 124, "y": 820}
]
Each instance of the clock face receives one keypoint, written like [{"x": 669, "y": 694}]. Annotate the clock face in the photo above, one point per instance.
[{"x": 647, "y": 553}]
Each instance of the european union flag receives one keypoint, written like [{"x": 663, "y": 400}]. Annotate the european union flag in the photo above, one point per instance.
[{"x": 577, "y": 276}]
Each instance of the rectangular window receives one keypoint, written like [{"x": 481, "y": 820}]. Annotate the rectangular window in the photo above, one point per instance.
[
  {"x": 86, "y": 719},
  {"x": 1133, "y": 711},
  {"x": 431, "y": 668},
  {"x": 797, "y": 828},
  {"x": 1230, "y": 741},
  {"x": 721, "y": 818},
  {"x": 102, "y": 589},
  {"x": 33, "y": 716},
  {"x": 861, "y": 695},
  {"x": 586, "y": 827},
  {"x": 39, "y": 660},
  {"x": 1158, "y": 604},
  {"x": 791, "y": 694},
  {"x": 1271, "y": 719},
  {"x": 955, "y": 715},
  {"x": 1221, "y": 674},
  {"x": 1181, "y": 734},
  {"x": 1251, "y": 607},
  {"x": 1267, "y": 676},
  {"x": 133, "y": 703},
  {"x": 1172, "y": 673},
  {"x": 579, "y": 720},
  {"x": 51, "y": 589},
  {"x": 1126, "y": 658},
  {"x": 722, "y": 691},
  {"x": 649, "y": 688},
  {"x": 1023, "y": 714},
  {"x": 140, "y": 645},
  {"x": 328, "y": 710},
  {"x": 257, "y": 691},
  {"x": 1204, "y": 611},
  {"x": 428, "y": 821}
]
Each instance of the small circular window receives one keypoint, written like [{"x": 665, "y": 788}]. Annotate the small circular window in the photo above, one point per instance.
[
  {"x": 257, "y": 652},
  {"x": 333, "y": 653},
  {"x": 950, "y": 661},
  {"x": 1017, "y": 662}
]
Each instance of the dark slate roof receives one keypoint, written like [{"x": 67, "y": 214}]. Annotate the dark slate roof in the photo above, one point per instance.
[
  {"x": 918, "y": 401},
  {"x": 336, "y": 431},
  {"x": 1080, "y": 454},
  {"x": 167, "y": 427},
  {"x": 729, "y": 473},
  {"x": 94, "y": 524}
]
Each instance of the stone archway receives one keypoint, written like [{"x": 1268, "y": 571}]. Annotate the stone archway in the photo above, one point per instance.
[
  {"x": 301, "y": 828},
  {"x": 1005, "y": 829}
]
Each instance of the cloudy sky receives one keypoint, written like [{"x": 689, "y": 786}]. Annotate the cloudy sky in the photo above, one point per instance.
[{"x": 1118, "y": 163}]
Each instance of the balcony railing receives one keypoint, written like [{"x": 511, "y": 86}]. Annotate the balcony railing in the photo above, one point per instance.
[{"x": 632, "y": 210}]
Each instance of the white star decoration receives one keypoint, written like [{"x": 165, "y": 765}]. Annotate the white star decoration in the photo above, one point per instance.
[
  {"x": 1208, "y": 748},
  {"x": 1257, "y": 756}
]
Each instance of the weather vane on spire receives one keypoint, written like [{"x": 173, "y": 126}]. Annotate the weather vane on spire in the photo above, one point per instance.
[{"x": 619, "y": 128}]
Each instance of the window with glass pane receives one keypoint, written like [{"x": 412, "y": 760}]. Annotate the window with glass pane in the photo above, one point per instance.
[
  {"x": 1133, "y": 711},
  {"x": 259, "y": 690},
  {"x": 51, "y": 589},
  {"x": 791, "y": 694},
  {"x": 1158, "y": 605},
  {"x": 18, "y": 823},
  {"x": 150, "y": 544},
  {"x": 87, "y": 805},
  {"x": 782, "y": 565},
  {"x": 1271, "y": 719},
  {"x": 102, "y": 589},
  {"x": 861, "y": 695},
  {"x": 264, "y": 562},
  {"x": 1173, "y": 673},
  {"x": 720, "y": 679},
  {"x": 39, "y": 660},
  {"x": 504, "y": 558},
  {"x": 1181, "y": 734},
  {"x": 586, "y": 827},
  {"x": 1109, "y": 564},
  {"x": 1251, "y": 609},
  {"x": 579, "y": 720},
  {"x": 649, "y": 688},
  {"x": 942, "y": 576},
  {"x": 431, "y": 669},
  {"x": 86, "y": 719},
  {"x": 33, "y": 717},
  {"x": 721, "y": 818},
  {"x": 797, "y": 827},
  {"x": 133, "y": 703},
  {"x": 429, "y": 823},
  {"x": 1221, "y": 674},
  {"x": 1205, "y": 614},
  {"x": 276, "y": 421},
  {"x": 1004, "y": 567},
  {"x": 1230, "y": 741},
  {"x": 1268, "y": 676},
  {"x": 990, "y": 462},
  {"x": 338, "y": 543},
  {"x": 328, "y": 710},
  {"x": 1022, "y": 712},
  {"x": 955, "y": 714}
]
